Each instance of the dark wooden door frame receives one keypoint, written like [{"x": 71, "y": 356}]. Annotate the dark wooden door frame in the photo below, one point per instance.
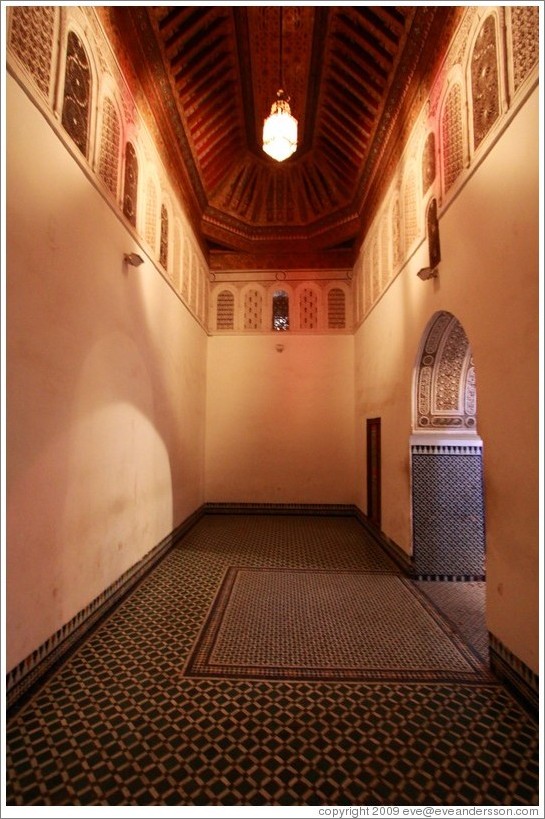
[{"x": 373, "y": 471}]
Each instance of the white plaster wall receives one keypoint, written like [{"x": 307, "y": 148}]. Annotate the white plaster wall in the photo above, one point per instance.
[
  {"x": 106, "y": 385},
  {"x": 489, "y": 280},
  {"x": 280, "y": 425}
]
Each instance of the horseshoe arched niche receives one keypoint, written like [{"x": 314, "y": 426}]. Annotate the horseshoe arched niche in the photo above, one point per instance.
[
  {"x": 446, "y": 457},
  {"x": 446, "y": 395}
]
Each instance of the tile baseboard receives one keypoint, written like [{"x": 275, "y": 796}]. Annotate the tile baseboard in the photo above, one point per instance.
[
  {"x": 22, "y": 680},
  {"x": 520, "y": 679}
]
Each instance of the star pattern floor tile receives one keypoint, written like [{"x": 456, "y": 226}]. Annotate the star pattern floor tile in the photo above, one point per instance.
[
  {"x": 463, "y": 604},
  {"x": 118, "y": 723},
  {"x": 327, "y": 625}
]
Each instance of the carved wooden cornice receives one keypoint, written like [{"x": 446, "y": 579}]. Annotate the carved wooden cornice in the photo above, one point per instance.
[{"x": 360, "y": 76}]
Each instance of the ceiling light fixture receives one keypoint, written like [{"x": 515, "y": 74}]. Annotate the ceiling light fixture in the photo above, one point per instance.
[{"x": 280, "y": 127}]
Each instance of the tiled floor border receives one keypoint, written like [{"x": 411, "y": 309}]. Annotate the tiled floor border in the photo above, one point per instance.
[
  {"x": 342, "y": 509},
  {"x": 31, "y": 671},
  {"x": 201, "y": 664},
  {"x": 516, "y": 674},
  {"x": 400, "y": 558},
  {"x": 25, "y": 677}
]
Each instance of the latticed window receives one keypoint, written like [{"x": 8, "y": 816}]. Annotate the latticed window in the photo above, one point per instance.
[
  {"x": 452, "y": 137},
  {"x": 206, "y": 301},
  {"x": 367, "y": 284},
  {"x": 109, "y": 146},
  {"x": 375, "y": 271},
  {"x": 525, "y": 31},
  {"x": 308, "y": 309},
  {"x": 202, "y": 292},
  {"x": 433, "y": 234},
  {"x": 396, "y": 235},
  {"x": 186, "y": 266},
  {"x": 177, "y": 255},
  {"x": 336, "y": 309},
  {"x": 130, "y": 184},
  {"x": 225, "y": 311},
  {"x": 151, "y": 214},
  {"x": 253, "y": 310},
  {"x": 31, "y": 38},
  {"x": 385, "y": 253},
  {"x": 484, "y": 81},
  {"x": 77, "y": 93},
  {"x": 359, "y": 296},
  {"x": 280, "y": 310},
  {"x": 428, "y": 162},
  {"x": 409, "y": 211},
  {"x": 163, "y": 248},
  {"x": 193, "y": 285}
]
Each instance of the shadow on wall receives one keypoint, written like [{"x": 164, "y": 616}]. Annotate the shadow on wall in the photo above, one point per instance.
[{"x": 106, "y": 397}]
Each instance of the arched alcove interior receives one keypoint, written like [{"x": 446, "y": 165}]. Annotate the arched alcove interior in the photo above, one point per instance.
[{"x": 446, "y": 457}]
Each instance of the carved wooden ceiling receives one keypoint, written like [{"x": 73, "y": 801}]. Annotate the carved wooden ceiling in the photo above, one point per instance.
[{"x": 210, "y": 75}]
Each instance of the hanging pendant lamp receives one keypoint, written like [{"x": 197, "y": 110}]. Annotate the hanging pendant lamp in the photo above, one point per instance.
[{"x": 280, "y": 127}]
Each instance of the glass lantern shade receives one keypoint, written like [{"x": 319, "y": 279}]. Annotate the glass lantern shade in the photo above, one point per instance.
[{"x": 280, "y": 131}]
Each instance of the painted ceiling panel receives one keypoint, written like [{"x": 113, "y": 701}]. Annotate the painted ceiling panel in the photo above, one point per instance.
[{"x": 212, "y": 73}]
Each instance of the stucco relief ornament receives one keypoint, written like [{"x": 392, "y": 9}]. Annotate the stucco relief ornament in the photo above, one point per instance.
[
  {"x": 525, "y": 33},
  {"x": 31, "y": 38},
  {"x": 129, "y": 111},
  {"x": 424, "y": 391}
]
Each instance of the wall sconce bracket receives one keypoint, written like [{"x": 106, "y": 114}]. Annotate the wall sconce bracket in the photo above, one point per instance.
[
  {"x": 426, "y": 273},
  {"x": 133, "y": 259}
]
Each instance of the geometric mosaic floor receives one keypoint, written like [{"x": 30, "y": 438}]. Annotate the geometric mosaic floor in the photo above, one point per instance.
[
  {"x": 122, "y": 724},
  {"x": 464, "y": 606},
  {"x": 324, "y": 625}
]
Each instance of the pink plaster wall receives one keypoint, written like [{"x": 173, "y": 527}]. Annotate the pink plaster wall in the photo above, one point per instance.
[
  {"x": 488, "y": 278},
  {"x": 279, "y": 426},
  {"x": 106, "y": 385},
  {"x": 110, "y": 381}
]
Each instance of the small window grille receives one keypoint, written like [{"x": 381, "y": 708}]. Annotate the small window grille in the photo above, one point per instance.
[
  {"x": 396, "y": 234},
  {"x": 336, "y": 309},
  {"x": 385, "y": 254},
  {"x": 225, "y": 313},
  {"x": 77, "y": 93},
  {"x": 280, "y": 311},
  {"x": 202, "y": 292},
  {"x": 452, "y": 137},
  {"x": 151, "y": 215},
  {"x": 130, "y": 185},
  {"x": 375, "y": 272},
  {"x": 409, "y": 212},
  {"x": 31, "y": 38},
  {"x": 109, "y": 146},
  {"x": 163, "y": 250},
  {"x": 193, "y": 284},
  {"x": 175, "y": 273},
  {"x": 485, "y": 81},
  {"x": 308, "y": 309},
  {"x": 525, "y": 33},
  {"x": 252, "y": 310},
  {"x": 428, "y": 162},
  {"x": 433, "y": 234},
  {"x": 186, "y": 269}
]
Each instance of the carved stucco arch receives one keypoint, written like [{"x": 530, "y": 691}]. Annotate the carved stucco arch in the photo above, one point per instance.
[{"x": 444, "y": 397}]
